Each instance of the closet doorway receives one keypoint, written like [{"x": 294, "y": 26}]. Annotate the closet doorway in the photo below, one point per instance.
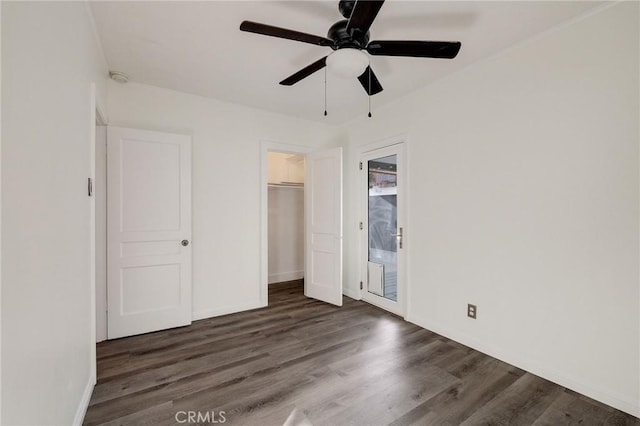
[
  {"x": 283, "y": 200},
  {"x": 285, "y": 221},
  {"x": 319, "y": 219}
]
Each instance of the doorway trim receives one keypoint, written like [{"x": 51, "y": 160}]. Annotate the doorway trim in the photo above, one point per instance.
[
  {"x": 402, "y": 142},
  {"x": 267, "y": 146},
  {"x": 98, "y": 117}
]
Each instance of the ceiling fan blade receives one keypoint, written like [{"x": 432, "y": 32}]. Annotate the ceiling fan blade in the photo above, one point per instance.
[
  {"x": 363, "y": 14},
  {"x": 305, "y": 72},
  {"x": 375, "y": 86},
  {"x": 255, "y": 27},
  {"x": 418, "y": 49}
]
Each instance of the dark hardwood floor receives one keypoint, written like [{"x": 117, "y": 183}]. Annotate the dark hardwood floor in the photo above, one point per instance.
[{"x": 303, "y": 362}]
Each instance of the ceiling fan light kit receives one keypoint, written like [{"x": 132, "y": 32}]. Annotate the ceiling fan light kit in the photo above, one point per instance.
[
  {"x": 347, "y": 62},
  {"x": 349, "y": 38}
]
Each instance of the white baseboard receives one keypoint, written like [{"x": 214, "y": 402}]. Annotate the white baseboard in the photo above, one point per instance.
[
  {"x": 84, "y": 402},
  {"x": 225, "y": 310},
  {"x": 619, "y": 402},
  {"x": 285, "y": 276},
  {"x": 354, "y": 294}
]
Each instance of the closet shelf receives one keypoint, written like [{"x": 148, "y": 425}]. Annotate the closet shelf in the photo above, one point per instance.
[{"x": 286, "y": 185}]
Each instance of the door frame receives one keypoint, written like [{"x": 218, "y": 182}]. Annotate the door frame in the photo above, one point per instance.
[
  {"x": 100, "y": 229},
  {"x": 399, "y": 142},
  {"x": 267, "y": 146},
  {"x": 98, "y": 117}
]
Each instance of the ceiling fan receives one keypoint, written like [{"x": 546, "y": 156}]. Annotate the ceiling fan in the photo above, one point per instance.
[{"x": 349, "y": 38}]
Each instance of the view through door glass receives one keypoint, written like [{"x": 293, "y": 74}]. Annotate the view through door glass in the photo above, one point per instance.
[{"x": 383, "y": 227}]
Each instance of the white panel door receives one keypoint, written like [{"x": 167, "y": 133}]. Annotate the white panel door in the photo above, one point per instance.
[
  {"x": 323, "y": 230},
  {"x": 148, "y": 231}
]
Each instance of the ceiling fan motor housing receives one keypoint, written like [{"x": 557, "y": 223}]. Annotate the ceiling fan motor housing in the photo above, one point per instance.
[{"x": 343, "y": 38}]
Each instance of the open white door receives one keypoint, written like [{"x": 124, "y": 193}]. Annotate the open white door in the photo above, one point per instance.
[
  {"x": 148, "y": 231},
  {"x": 323, "y": 226}
]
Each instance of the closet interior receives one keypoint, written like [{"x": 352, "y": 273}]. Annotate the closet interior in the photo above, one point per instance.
[{"x": 285, "y": 172}]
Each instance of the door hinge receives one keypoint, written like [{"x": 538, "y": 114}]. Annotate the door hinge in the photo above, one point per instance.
[
  {"x": 361, "y": 286},
  {"x": 360, "y": 226},
  {"x": 90, "y": 187},
  {"x": 361, "y": 165}
]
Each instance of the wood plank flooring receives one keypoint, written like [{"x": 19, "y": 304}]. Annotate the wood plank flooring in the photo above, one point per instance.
[{"x": 303, "y": 362}]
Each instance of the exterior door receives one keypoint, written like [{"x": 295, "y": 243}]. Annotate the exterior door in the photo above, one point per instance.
[
  {"x": 323, "y": 226},
  {"x": 383, "y": 242},
  {"x": 148, "y": 231}
]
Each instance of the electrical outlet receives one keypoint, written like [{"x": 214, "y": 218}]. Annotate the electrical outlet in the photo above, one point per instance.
[{"x": 471, "y": 311}]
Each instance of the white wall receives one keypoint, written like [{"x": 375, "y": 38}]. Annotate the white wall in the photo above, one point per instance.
[
  {"x": 523, "y": 200},
  {"x": 226, "y": 182},
  {"x": 49, "y": 59}
]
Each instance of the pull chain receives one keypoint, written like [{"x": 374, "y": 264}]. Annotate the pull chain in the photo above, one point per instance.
[
  {"x": 325, "y": 91},
  {"x": 369, "y": 91}
]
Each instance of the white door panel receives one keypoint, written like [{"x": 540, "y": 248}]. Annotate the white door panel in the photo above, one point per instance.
[
  {"x": 323, "y": 233},
  {"x": 149, "y": 215},
  {"x": 150, "y": 169}
]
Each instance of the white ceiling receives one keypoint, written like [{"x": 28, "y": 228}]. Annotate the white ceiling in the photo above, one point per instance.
[{"x": 196, "y": 47}]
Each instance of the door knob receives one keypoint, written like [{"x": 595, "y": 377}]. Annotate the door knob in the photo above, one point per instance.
[{"x": 184, "y": 243}]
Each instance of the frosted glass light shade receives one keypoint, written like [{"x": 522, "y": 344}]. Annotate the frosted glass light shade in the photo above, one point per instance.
[{"x": 347, "y": 62}]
